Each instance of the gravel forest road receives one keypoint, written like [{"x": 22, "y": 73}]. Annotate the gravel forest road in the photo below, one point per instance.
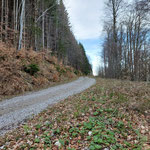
[{"x": 16, "y": 110}]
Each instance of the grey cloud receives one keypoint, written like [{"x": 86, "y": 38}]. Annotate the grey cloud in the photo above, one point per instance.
[{"x": 85, "y": 17}]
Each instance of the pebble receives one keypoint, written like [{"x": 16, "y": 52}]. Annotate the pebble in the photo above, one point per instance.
[
  {"x": 58, "y": 144},
  {"x": 129, "y": 138},
  {"x": 106, "y": 148},
  {"x": 143, "y": 131},
  {"x": 90, "y": 133},
  {"x": 86, "y": 148},
  {"x": 83, "y": 114},
  {"x": 135, "y": 141},
  {"x": 142, "y": 127},
  {"x": 47, "y": 123},
  {"x": 52, "y": 134},
  {"x": 2, "y": 147},
  {"x": 29, "y": 142}
]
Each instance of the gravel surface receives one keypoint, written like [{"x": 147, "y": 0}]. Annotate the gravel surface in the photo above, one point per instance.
[{"x": 16, "y": 110}]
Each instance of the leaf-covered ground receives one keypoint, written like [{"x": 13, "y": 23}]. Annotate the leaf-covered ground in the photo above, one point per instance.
[
  {"x": 112, "y": 115},
  {"x": 16, "y": 71}
]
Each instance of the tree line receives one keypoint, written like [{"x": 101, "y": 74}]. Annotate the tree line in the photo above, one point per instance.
[
  {"x": 126, "y": 46},
  {"x": 41, "y": 25}
]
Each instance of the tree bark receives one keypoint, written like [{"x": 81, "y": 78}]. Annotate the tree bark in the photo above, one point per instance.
[
  {"x": 2, "y": 20},
  {"x": 21, "y": 24}
]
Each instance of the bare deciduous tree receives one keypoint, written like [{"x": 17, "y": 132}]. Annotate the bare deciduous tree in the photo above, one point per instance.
[{"x": 126, "y": 41}]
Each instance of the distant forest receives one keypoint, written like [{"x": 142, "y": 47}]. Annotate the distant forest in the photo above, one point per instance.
[
  {"x": 126, "y": 47},
  {"x": 41, "y": 25}
]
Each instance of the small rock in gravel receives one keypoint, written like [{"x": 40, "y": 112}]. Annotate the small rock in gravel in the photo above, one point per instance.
[
  {"x": 2, "y": 147},
  {"x": 86, "y": 148},
  {"x": 106, "y": 148},
  {"x": 143, "y": 131},
  {"x": 29, "y": 142},
  {"x": 135, "y": 141},
  {"x": 90, "y": 133},
  {"x": 142, "y": 127},
  {"x": 58, "y": 144},
  {"x": 83, "y": 114},
  {"x": 52, "y": 134},
  {"x": 129, "y": 138},
  {"x": 47, "y": 123}
]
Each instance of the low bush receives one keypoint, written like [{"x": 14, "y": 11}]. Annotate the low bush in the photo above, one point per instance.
[
  {"x": 76, "y": 72},
  {"x": 32, "y": 69}
]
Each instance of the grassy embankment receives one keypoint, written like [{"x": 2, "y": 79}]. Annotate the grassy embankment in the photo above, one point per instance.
[{"x": 112, "y": 114}]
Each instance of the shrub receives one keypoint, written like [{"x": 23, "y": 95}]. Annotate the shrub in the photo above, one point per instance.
[
  {"x": 31, "y": 69},
  {"x": 76, "y": 72},
  {"x": 58, "y": 68}
]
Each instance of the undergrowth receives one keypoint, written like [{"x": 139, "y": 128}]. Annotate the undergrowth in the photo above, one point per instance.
[
  {"x": 29, "y": 70},
  {"x": 97, "y": 119},
  {"x": 32, "y": 69}
]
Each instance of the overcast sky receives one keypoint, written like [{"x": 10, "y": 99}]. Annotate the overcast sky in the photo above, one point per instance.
[{"x": 86, "y": 19}]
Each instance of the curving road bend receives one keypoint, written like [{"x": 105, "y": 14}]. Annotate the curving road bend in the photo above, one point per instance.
[{"x": 16, "y": 110}]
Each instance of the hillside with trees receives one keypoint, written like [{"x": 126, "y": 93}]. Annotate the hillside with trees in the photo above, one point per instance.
[
  {"x": 126, "y": 47},
  {"x": 36, "y": 35},
  {"x": 41, "y": 25}
]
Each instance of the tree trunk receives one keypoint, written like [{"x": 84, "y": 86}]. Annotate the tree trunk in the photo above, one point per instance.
[
  {"x": 21, "y": 24},
  {"x": 6, "y": 19},
  {"x": 2, "y": 20},
  {"x": 43, "y": 28}
]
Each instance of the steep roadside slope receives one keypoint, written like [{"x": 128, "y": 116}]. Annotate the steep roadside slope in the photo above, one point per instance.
[{"x": 28, "y": 70}]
